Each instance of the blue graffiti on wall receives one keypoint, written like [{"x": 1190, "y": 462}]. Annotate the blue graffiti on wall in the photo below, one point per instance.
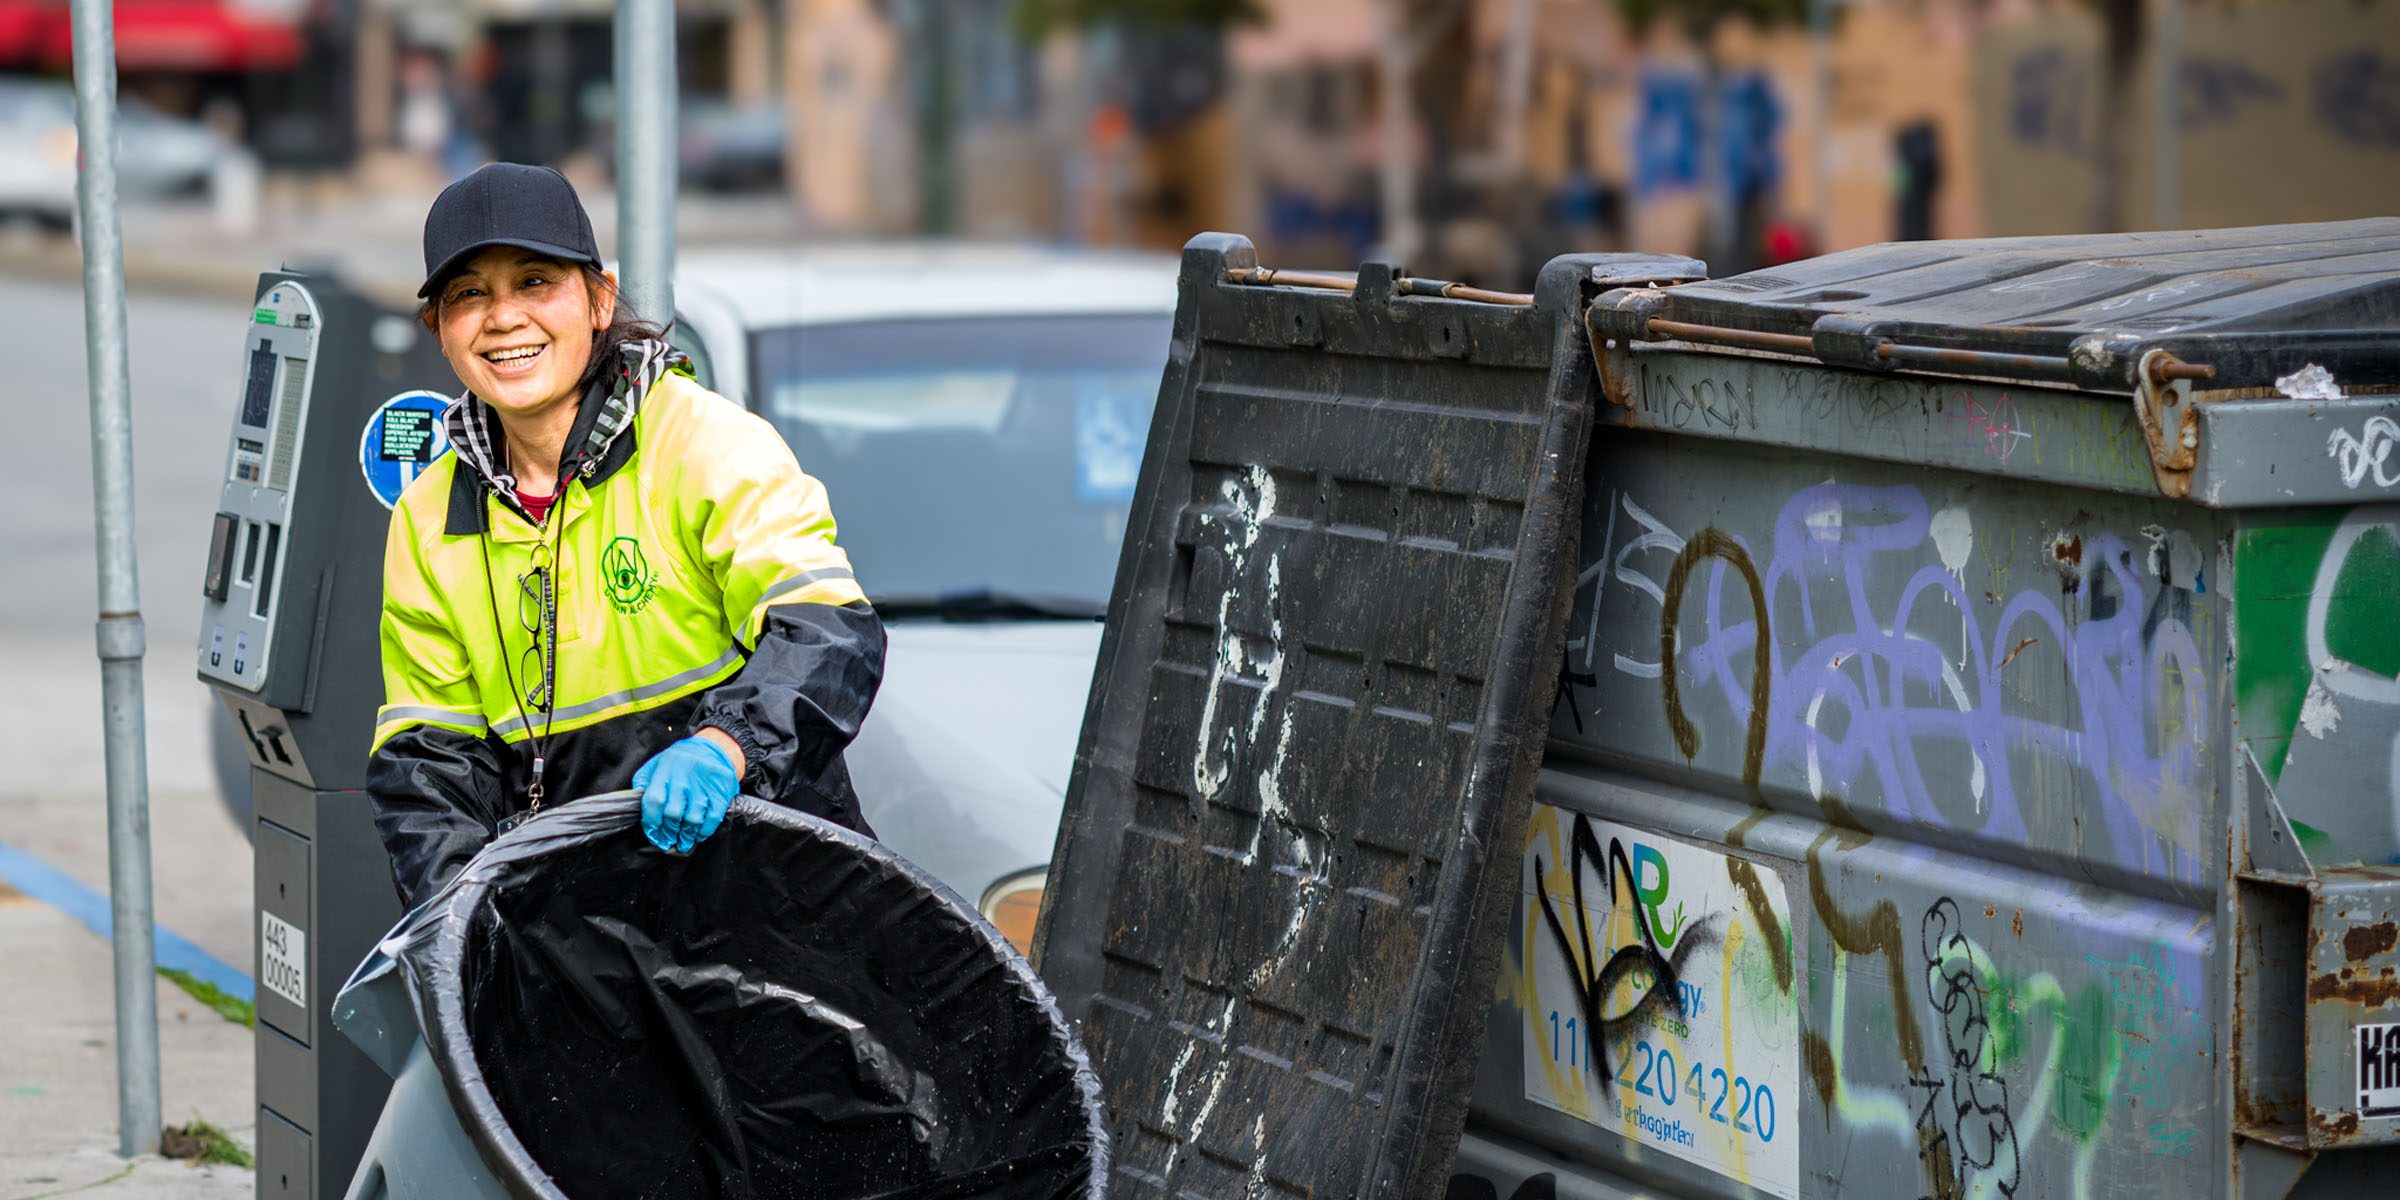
[
  {"x": 2053, "y": 94},
  {"x": 1669, "y": 135},
  {"x": 1666, "y": 132},
  {"x": 2220, "y": 92},
  {"x": 2358, "y": 97}
]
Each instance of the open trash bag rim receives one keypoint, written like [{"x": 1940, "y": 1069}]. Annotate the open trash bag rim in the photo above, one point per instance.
[{"x": 435, "y": 934}]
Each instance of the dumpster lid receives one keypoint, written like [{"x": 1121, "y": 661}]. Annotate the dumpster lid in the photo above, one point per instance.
[
  {"x": 2253, "y": 304},
  {"x": 1284, "y": 869}
]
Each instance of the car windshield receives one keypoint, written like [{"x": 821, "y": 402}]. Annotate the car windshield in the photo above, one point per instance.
[{"x": 980, "y": 468}]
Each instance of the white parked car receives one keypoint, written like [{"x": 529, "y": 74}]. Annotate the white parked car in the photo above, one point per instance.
[{"x": 978, "y": 415}]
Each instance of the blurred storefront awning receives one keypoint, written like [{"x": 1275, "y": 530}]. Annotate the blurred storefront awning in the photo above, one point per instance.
[
  {"x": 159, "y": 35},
  {"x": 25, "y": 27}
]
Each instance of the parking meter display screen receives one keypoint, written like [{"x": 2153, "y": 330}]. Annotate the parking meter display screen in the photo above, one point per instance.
[{"x": 259, "y": 391}]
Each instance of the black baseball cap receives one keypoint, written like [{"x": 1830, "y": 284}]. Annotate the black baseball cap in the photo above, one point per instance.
[{"x": 506, "y": 204}]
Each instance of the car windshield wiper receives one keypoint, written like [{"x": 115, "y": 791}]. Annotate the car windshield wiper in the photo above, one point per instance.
[{"x": 987, "y": 604}]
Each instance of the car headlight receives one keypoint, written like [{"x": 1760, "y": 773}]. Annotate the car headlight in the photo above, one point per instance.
[
  {"x": 1014, "y": 904},
  {"x": 58, "y": 146}
]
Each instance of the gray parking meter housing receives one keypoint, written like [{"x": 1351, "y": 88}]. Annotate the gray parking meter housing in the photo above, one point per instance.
[{"x": 291, "y": 594}]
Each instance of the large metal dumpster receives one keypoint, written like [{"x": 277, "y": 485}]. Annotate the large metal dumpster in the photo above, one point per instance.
[
  {"x": 1974, "y": 769},
  {"x": 1977, "y": 741}
]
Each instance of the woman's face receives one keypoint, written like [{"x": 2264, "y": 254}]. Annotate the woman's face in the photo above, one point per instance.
[{"x": 517, "y": 327}]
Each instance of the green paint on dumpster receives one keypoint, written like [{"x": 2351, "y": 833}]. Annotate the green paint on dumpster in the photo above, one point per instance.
[{"x": 2271, "y": 673}]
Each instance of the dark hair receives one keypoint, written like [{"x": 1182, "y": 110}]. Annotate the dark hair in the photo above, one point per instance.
[{"x": 626, "y": 326}]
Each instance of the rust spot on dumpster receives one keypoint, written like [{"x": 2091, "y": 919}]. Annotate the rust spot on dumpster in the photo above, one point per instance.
[
  {"x": 2367, "y": 991},
  {"x": 2016, "y": 924},
  {"x": 2343, "y": 1126},
  {"x": 2367, "y": 941},
  {"x": 2068, "y": 549}
]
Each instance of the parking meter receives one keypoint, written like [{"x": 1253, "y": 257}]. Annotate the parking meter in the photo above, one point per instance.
[{"x": 339, "y": 406}]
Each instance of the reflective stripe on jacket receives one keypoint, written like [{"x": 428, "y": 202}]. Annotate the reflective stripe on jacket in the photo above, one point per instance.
[{"x": 697, "y": 583}]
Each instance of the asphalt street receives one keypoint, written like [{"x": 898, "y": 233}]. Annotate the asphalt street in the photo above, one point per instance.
[
  {"x": 184, "y": 357},
  {"x": 57, "y": 1086}
]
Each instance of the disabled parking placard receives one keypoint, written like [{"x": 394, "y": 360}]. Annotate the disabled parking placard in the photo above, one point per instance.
[{"x": 400, "y": 441}]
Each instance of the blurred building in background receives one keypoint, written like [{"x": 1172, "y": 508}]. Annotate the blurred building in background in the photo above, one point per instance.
[{"x": 1472, "y": 138}]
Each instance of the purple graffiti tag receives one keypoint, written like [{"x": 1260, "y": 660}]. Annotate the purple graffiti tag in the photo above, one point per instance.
[{"x": 1869, "y": 701}]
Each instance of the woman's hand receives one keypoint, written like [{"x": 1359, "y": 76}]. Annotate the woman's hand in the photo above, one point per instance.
[{"x": 685, "y": 790}]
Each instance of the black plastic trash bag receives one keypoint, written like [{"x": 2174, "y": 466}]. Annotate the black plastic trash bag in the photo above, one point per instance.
[{"x": 791, "y": 1011}]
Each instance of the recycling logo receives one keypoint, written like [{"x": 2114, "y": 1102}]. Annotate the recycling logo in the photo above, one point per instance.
[{"x": 631, "y": 582}]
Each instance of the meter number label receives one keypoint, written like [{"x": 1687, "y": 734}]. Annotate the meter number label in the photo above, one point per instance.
[{"x": 282, "y": 958}]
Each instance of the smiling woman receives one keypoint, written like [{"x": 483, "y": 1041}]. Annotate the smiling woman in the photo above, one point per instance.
[{"x": 616, "y": 577}]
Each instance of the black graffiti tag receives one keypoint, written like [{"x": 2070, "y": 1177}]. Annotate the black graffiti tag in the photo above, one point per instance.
[
  {"x": 1654, "y": 976},
  {"x": 1966, "y": 1107}
]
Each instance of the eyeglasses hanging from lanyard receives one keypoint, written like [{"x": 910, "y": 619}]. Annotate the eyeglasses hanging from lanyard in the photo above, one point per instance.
[{"x": 537, "y": 613}]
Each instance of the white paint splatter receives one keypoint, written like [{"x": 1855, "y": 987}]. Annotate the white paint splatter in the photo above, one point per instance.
[
  {"x": 1953, "y": 534},
  {"x": 1210, "y": 771},
  {"x": 1825, "y": 523},
  {"x": 2318, "y": 715},
  {"x": 1954, "y": 539},
  {"x": 1208, "y": 777}
]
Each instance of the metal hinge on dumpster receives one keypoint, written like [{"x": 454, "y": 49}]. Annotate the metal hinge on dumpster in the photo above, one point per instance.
[{"x": 2316, "y": 992}]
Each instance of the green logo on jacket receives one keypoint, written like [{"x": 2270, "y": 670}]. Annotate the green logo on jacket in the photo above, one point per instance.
[{"x": 631, "y": 582}]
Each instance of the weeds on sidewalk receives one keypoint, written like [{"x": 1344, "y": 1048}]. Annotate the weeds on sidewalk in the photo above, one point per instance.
[
  {"x": 232, "y": 1008},
  {"x": 202, "y": 1145}
]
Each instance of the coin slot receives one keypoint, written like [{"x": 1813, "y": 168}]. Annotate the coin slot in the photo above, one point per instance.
[
  {"x": 266, "y": 582},
  {"x": 250, "y": 553}
]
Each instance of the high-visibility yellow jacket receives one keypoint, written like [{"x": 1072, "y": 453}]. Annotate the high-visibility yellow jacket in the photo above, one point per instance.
[{"x": 696, "y": 582}]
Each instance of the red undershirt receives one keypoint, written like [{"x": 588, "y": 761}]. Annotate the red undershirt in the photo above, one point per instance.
[{"x": 537, "y": 507}]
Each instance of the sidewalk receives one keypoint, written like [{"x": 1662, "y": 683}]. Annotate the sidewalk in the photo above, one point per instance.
[{"x": 58, "y": 1096}]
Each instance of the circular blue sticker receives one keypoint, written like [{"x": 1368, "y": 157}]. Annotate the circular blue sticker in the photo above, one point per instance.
[{"x": 402, "y": 439}]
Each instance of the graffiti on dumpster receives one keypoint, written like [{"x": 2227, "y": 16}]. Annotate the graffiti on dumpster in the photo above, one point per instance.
[
  {"x": 2365, "y": 454},
  {"x": 2018, "y": 1070},
  {"x": 2317, "y": 676},
  {"x": 1639, "y": 982},
  {"x": 1861, "y": 664},
  {"x": 1965, "y": 1117}
]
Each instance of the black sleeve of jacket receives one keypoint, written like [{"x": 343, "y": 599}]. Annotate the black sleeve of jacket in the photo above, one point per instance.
[
  {"x": 802, "y": 695},
  {"x": 436, "y": 794}
]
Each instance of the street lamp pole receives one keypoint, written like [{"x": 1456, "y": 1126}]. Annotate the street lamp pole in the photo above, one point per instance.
[
  {"x": 646, "y": 160},
  {"x": 120, "y": 632}
]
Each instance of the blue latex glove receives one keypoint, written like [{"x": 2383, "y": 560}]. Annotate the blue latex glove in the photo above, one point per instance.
[{"x": 685, "y": 789}]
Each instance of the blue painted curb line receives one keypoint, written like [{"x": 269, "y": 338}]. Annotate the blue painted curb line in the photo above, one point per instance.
[{"x": 62, "y": 891}]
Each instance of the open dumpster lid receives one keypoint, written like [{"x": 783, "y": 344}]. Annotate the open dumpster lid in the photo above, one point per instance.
[
  {"x": 1287, "y": 856},
  {"x": 2241, "y": 307}
]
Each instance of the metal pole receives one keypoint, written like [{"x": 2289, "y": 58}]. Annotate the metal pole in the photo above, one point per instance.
[
  {"x": 645, "y": 32},
  {"x": 120, "y": 633},
  {"x": 1820, "y": 64},
  {"x": 2165, "y": 191},
  {"x": 1396, "y": 180}
]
